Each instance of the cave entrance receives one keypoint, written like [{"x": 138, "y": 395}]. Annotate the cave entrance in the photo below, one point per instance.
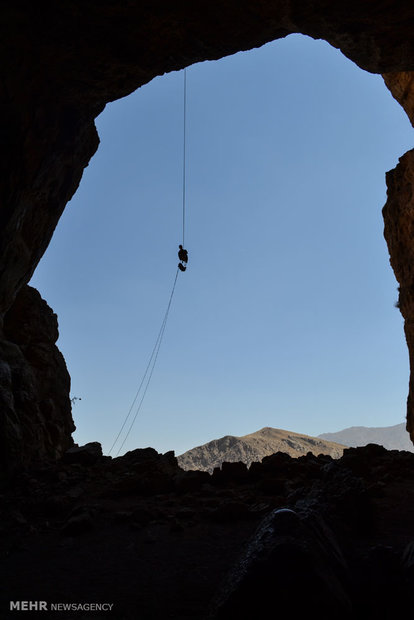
[{"x": 286, "y": 315}]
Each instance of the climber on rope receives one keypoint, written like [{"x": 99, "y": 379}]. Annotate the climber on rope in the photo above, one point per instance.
[{"x": 183, "y": 256}]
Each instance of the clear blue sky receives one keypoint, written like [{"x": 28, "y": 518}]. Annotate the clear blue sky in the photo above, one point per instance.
[{"x": 285, "y": 316}]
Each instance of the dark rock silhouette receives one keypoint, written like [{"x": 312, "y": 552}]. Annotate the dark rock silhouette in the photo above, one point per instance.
[
  {"x": 88, "y": 454},
  {"x": 292, "y": 565},
  {"x": 398, "y": 214},
  {"x": 35, "y": 409},
  {"x": 139, "y": 532}
]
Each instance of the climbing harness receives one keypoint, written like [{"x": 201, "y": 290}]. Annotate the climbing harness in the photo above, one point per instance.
[{"x": 182, "y": 265}]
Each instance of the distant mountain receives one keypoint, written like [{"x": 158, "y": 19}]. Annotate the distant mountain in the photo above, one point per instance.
[
  {"x": 391, "y": 437},
  {"x": 254, "y": 447}
]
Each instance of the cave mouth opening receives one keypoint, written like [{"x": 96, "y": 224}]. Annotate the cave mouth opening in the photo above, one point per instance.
[{"x": 286, "y": 314}]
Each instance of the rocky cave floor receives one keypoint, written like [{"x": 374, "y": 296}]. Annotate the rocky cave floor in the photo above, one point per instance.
[{"x": 158, "y": 542}]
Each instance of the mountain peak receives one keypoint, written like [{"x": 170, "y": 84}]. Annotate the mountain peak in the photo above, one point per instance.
[{"x": 254, "y": 447}]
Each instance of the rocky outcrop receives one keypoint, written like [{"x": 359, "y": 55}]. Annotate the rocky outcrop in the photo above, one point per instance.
[
  {"x": 399, "y": 232},
  {"x": 401, "y": 86},
  {"x": 254, "y": 447},
  {"x": 290, "y": 553},
  {"x": 140, "y": 533},
  {"x": 35, "y": 408},
  {"x": 62, "y": 62}
]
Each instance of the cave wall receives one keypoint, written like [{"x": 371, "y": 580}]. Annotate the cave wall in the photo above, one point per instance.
[
  {"x": 398, "y": 215},
  {"x": 63, "y": 61},
  {"x": 35, "y": 409}
]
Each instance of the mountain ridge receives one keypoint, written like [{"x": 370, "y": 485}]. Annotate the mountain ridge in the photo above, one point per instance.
[
  {"x": 391, "y": 437},
  {"x": 254, "y": 447}
]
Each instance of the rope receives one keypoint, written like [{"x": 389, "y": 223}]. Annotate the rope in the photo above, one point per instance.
[
  {"x": 147, "y": 374},
  {"x": 146, "y": 379},
  {"x": 184, "y": 147}
]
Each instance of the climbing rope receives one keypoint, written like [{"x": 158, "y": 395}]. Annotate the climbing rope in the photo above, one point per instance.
[
  {"x": 184, "y": 146},
  {"x": 146, "y": 379}
]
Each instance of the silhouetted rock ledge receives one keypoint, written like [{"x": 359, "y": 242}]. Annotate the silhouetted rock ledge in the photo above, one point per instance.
[{"x": 331, "y": 537}]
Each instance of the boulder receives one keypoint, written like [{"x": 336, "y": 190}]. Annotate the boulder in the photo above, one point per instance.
[
  {"x": 88, "y": 454},
  {"x": 291, "y": 567}
]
